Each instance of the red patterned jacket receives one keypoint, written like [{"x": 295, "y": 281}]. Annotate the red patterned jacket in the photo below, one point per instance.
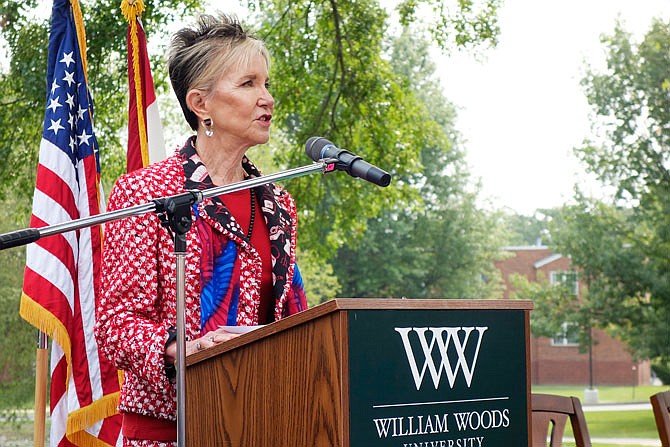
[{"x": 137, "y": 304}]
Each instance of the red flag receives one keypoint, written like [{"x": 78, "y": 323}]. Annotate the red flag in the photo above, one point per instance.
[
  {"x": 61, "y": 278},
  {"x": 145, "y": 133}
]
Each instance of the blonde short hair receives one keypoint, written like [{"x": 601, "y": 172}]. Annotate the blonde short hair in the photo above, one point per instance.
[{"x": 199, "y": 56}]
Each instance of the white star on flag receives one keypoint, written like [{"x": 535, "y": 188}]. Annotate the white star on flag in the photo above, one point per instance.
[
  {"x": 83, "y": 138},
  {"x": 69, "y": 78},
  {"x": 54, "y": 104},
  {"x": 81, "y": 112},
  {"x": 67, "y": 59},
  {"x": 55, "y": 126}
]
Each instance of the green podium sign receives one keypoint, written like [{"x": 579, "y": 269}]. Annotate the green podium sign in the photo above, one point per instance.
[{"x": 438, "y": 378}]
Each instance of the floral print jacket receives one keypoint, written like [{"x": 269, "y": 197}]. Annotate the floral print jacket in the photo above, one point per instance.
[{"x": 138, "y": 299}]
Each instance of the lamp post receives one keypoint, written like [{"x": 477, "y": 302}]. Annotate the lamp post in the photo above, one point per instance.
[{"x": 591, "y": 394}]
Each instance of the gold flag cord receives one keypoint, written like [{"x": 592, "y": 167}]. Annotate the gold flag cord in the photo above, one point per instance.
[{"x": 81, "y": 34}]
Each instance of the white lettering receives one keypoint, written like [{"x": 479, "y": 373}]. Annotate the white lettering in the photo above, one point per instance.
[
  {"x": 441, "y": 425},
  {"x": 461, "y": 421},
  {"x": 411, "y": 425},
  {"x": 440, "y": 443},
  {"x": 382, "y": 427},
  {"x": 483, "y": 420}
]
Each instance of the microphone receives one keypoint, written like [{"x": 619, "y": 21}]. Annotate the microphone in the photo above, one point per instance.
[{"x": 318, "y": 148}]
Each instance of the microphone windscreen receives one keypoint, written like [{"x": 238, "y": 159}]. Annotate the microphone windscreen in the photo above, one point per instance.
[{"x": 314, "y": 146}]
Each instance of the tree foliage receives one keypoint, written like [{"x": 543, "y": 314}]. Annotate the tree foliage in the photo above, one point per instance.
[
  {"x": 332, "y": 77},
  {"x": 460, "y": 24},
  {"x": 553, "y": 304},
  {"x": 18, "y": 340},
  {"x": 627, "y": 289},
  {"x": 441, "y": 245},
  {"x": 622, "y": 247},
  {"x": 632, "y": 107},
  {"x": 529, "y": 230}
]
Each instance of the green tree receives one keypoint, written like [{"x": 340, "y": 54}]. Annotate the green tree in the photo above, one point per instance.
[
  {"x": 622, "y": 247},
  {"x": 528, "y": 230},
  {"x": 331, "y": 77},
  {"x": 19, "y": 340},
  {"x": 441, "y": 245},
  {"x": 553, "y": 304},
  {"x": 627, "y": 293}
]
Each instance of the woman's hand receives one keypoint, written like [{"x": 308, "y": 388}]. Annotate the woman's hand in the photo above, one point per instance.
[{"x": 208, "y": 340}]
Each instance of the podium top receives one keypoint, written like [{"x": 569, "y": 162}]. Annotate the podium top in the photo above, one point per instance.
[
  {"x": 404, "y": 303},
  {"x": 345, "y": 304}
]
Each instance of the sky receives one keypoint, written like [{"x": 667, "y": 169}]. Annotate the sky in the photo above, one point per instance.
[{"x": 522, "y": 110}]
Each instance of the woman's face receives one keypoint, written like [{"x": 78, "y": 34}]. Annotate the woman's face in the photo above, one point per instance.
[{"x": 241, "y": 106}]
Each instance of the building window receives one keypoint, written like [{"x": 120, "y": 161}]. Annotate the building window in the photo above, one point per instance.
[
  {"x": 567, "y": 336},
  {"x": 568, "y": 279}
]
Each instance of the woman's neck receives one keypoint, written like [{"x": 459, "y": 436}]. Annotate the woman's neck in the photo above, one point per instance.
[{"x": 224, "y": 165}]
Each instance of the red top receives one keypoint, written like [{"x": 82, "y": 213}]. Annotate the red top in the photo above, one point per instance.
[{"x": 239, "y": 205}]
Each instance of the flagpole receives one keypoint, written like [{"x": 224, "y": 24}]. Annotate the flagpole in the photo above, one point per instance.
[{"x": 41, "y": 377}]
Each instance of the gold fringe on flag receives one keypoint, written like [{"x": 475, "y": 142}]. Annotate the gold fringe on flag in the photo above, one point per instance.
[
  {"x": 132, "y": 11},
  {"x": 79, "y": 420}
]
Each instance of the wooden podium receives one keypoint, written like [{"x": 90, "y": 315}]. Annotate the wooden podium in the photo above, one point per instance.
[{"x": 368, "y": 372}]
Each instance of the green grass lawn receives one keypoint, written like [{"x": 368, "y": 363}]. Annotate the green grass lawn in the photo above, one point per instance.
[
  {"x": 606, "y": 394},
  {"x": 621, "y": 424},
  {"x": 613, "y": 424}
]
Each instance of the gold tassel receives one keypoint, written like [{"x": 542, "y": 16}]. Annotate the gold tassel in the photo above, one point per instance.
[
  {"x": 83, "y": 418},
  {"x": 132, "y": 9}
]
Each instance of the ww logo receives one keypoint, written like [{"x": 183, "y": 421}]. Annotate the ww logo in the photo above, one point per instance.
[{"x": 448, "y": 342}]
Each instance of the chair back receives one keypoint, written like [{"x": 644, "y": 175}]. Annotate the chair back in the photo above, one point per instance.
[
  {"x": 660, "y": 403},
  {"x": 550, "y": 414}
]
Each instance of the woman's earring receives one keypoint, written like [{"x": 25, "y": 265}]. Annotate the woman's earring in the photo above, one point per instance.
[{"x": 209, "y": 131}]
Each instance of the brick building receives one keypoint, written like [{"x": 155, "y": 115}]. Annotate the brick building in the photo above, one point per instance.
[{"x": 558, "y": 360}]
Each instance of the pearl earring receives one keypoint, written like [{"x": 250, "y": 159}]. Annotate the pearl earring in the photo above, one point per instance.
[{"x": 209, "y": 131}]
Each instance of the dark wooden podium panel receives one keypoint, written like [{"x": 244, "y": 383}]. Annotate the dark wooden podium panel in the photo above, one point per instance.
[{"x": 287, "y": 384}]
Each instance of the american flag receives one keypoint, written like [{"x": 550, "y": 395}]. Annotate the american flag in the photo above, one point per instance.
[
  {"x": 61, "y": 278},
  {"x": 145, "y": 133}
]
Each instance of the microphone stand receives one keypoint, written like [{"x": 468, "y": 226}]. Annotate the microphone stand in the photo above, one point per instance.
[{"x": 174, "y": 213}]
